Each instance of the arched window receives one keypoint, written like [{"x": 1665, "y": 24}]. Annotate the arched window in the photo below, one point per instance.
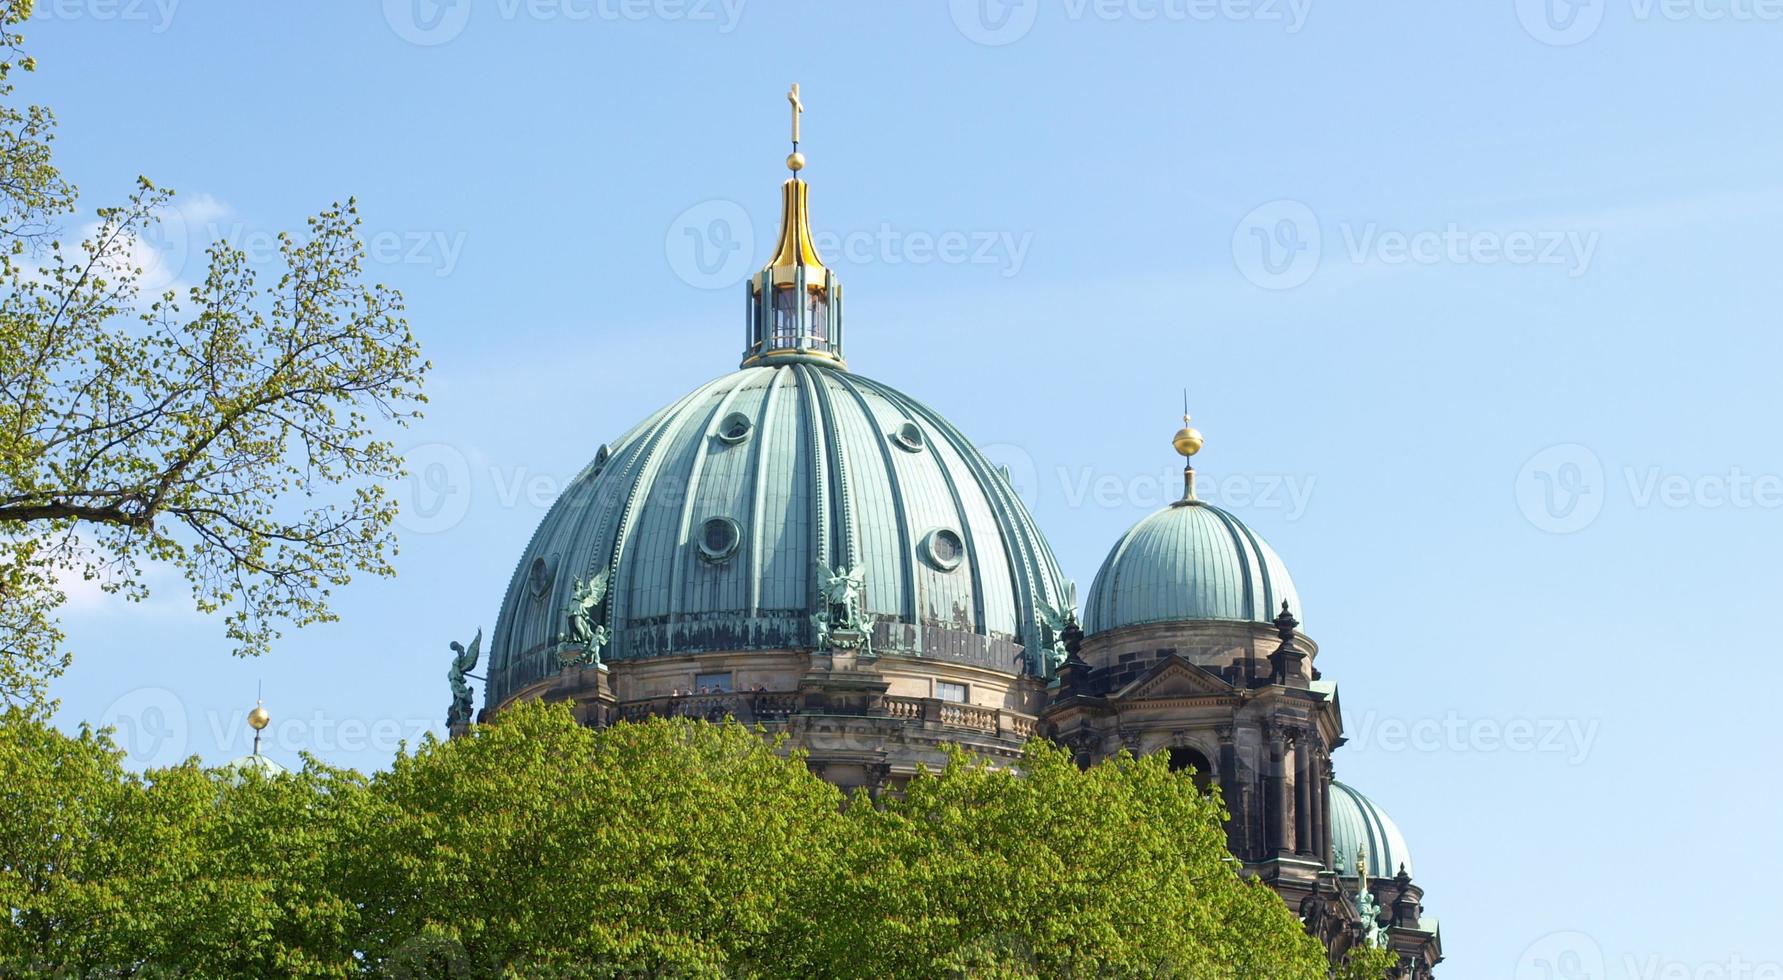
[
  {"x": 818, "y": 309},
  {"x": 1182, "y": 757},
  {"x": 786, "y": 318}
]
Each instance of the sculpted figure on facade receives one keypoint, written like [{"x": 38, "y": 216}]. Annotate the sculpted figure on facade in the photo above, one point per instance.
[
  {"x": 464, "y": 660},
  {"x": 587, "y": 634}
]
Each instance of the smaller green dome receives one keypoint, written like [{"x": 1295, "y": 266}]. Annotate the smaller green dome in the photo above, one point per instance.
[
  {"x": 1357, "y": 822},
  {"x": 239, "y": 768},
  {"x": 1189, "y": 561}
]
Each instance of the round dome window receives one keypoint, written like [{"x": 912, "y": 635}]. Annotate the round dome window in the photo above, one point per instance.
[
  {"x": 540, "y": 574},
  {"x": 908, "y": 438},
  {"x": 735, "y": 428},
  {"x": 943, "y": 549},
  {"x": 719, "y": 538}
]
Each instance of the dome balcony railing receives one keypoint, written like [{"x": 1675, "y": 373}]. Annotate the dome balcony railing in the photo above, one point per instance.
[
  {"x": 773, "y": 708},
  {"x": 748, "y": 707}
]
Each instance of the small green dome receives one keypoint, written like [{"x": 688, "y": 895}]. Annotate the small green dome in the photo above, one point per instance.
[
  {"x": 1356, "y": 821},
  {"x": 709, "y": 518},
  {"x": 1189, "y": 561},
  {"x": 240, "y": 767}
]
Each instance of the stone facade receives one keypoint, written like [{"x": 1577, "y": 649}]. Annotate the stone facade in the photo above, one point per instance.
[
  {"x": 1244, "y": 708},
  {"x": 865, "y": 722}
]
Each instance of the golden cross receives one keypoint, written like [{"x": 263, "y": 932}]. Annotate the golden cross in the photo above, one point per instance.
[{"x": 797, "y": 107}]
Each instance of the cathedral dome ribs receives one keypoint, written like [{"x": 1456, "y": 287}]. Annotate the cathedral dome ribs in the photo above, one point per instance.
[{"x": 710, "y": 527}]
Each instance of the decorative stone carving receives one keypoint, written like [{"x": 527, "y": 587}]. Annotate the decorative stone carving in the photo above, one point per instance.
[
  {"x": 585, "y": 613},
  {"x": 840, "y": 624},
  {"x": 1369, "y": 909},
  {"x": 1057, "y": 626},
  {"x": 464, "y": 660},
  {"x": 841, "y": 589}
]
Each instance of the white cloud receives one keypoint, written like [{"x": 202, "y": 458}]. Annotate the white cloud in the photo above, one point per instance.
[
  {"x": 169, "y": 597},
  {"x": 170, "y": 252}
]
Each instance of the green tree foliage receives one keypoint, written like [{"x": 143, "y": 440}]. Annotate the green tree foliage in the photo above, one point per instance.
[
  {"x": 539, "y": 848},
  {"x": 229, "y": 433}
]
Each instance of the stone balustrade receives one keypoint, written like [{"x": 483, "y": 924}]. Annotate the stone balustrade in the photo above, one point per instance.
[{"x": 773, "y": 707}]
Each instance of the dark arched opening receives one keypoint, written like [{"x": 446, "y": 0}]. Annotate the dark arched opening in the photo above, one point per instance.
[{"x": 1182, "y": 757}]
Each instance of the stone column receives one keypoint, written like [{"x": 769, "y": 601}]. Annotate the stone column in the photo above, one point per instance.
[
  {"x": 1276, "y": 794},
  {"x": 1303, "y": 779},
  {"x": 1325, "y": 809},
  {"x": 1228, "y": 769}
]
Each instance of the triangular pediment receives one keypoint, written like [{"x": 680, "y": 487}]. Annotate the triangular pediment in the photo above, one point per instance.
[{"x": 1174, "y": 678}]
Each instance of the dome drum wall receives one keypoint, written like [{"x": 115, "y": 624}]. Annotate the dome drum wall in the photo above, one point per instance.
[
  {"x": 769, "y": 672},
  {"x": 710, "y": 523},
  {"x": 1123, "y": 654},
  {"x": 914, "y": 708}
]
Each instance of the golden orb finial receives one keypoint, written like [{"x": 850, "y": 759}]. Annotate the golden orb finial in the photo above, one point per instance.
[
  {"x": 1187, "y": 440},
  {"x": 259, "y": 718}
]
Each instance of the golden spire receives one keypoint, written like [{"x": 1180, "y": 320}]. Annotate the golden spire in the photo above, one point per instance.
[
  {"x": 795, "y": 303},
  {"x": 795, "y": 249},
  {"x": 1188, "y": 442}
]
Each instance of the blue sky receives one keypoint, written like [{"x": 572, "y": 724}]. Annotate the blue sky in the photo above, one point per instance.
[{"x": 1476, "y": 304}]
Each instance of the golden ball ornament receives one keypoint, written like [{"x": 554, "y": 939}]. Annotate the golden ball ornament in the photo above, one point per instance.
[{"x": 1187, "y": 441}]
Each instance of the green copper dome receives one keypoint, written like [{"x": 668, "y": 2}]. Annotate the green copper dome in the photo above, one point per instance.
[
  {"x": 1189, "y": 561},
  {"x": 1356, "y": 822},
  {"x": 237, "y": 769},
  {"x": 706, "y": 524}
]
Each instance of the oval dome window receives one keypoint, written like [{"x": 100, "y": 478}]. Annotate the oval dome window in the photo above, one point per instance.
[
  {"x": 735, "y": 428},
  {"x": 540, "y": 574},
  {"x": 908, "y": 438},
  {"x": 943, "y": 549},
  {"x": 719, "y": 538}
]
